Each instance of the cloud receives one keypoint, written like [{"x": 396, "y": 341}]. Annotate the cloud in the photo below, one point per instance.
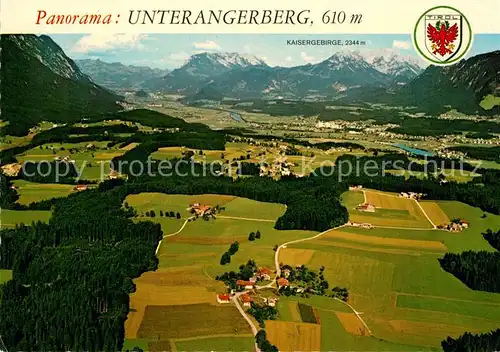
[
  {"x": 401, "y": 44},
  {"x": 247, "y": 48},
  {"x": 109, "y": 42},
  {"x": 207, "y": 45},
  {"x": 306, "y": 57},
  {"x": 288, "y": 59},
  {"x": 176, "y": 59}
]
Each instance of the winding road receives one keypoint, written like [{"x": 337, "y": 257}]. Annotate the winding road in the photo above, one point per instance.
[
  {"x": 172, "y": 234},
  {"x": 253, "y": 327}
]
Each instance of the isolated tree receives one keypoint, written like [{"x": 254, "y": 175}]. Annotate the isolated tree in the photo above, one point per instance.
[
  {"x": 161, "y": 212},
  {"x": 147, "y": 214},
  {"x": 172, "y": 214},
  {"x": 225, "y": 259},
  {"x": 275, "y": 248},
  {"x": 153, "y": 214},
  {"x": 126, "y": 205},
  {"x": 251, "y": 236},
  {"x": 257, "y": 234},
  {"x": 178, "y": 215},
  {"x": 234, "y": 248}
]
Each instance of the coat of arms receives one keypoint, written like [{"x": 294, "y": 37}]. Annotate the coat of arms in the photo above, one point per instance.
[{"x": 442, "y": 35}]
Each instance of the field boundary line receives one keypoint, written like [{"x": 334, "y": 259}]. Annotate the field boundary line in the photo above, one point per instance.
[
  {"x": 446, "y": 298},
  {"x": 247, "y": 219},
  {"x": 427, "y": 216},
  {"x": 405, "y": 228},
  {"x": 172, "y": 234},
  {"x": 448, "y": 313}
]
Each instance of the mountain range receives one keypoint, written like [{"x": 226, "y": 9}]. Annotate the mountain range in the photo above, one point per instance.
[
  {"x": 239, "y": 75},
  {"x": 117, "y": 76},
  {"x": 41, "y": 83}
]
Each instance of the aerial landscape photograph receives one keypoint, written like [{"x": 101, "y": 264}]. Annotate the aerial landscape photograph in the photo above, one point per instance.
[{"x": 241, "y": 192}]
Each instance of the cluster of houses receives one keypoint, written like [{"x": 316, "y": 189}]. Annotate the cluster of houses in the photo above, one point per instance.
[
  {"x": 279, "y": 167},
  {"x": 66, "y": 159},
  {"x": 411, "y": 195},
  {"x": 246, "y": 299},
  {"x": 12, "y": 170},
  {"x": 455, "y": 226},
  {"x": 200, "y": 210},
  {"x": 262, "y": 274}
]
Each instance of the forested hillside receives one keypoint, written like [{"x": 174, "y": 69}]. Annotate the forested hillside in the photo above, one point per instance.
[{"x": 34, "y": 92}]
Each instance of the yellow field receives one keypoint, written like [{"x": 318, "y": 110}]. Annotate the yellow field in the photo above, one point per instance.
[
  {"x": 386, "y": 241},
  {"x": 391, "y": 211},
  {"x": 129, "y": 146},
  {"x": 352, "y": 324},
  {"x": 191, "y": 320},
  {"x": 434, "y": 211},
  {"x": 169, "y": 287},
  {"x": 291, "y": 336},
  {"x": 295, "y": 256}
]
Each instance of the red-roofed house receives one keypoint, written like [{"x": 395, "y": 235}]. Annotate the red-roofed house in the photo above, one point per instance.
[
  {"x": 223, "y": 298},
  {"x": 80, "y": 188},
  {"x": 200, "y": 209},
  {"x": 248, "y": 285},
  {"x": 247, "y": 300},
  {"x": 264, "y": 274},
  {"x": 366, "y": 207},
  {"x": 282, "y": 282}
]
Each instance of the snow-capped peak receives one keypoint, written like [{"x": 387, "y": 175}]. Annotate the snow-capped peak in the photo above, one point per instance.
[
  {"x": 387, "y": 61},
  {"x": 230, "y": 60}
]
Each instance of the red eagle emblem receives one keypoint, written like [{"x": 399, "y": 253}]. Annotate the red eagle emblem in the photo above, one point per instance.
[{"x": 442, "y": 37}]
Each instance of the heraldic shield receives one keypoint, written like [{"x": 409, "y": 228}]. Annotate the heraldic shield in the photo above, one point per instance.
[{"x": 442, "y": 35}]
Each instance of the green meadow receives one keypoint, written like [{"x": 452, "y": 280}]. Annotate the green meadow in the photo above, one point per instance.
[
  {"x": 405, "y": 296},
  {"x": 11, "y": 218}
]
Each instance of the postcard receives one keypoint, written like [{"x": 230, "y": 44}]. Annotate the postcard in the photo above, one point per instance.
[{"x": 264, "y": 176}]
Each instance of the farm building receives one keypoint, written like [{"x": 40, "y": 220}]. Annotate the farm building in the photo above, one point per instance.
[
  {"x": 364, "y": 225},
  {"x": 455, "y": 226},
  {"x": 282, "y": 282},
  {"x": 248, "y": 285},
  {"x": 271, "y": 302},
  {"x": 355, "y": 188},
  {"x": 223, "y": 298},
  {"x": 11, "y": 170},
  {"x": 199, "y": 209},
  {"x": 246, "y": 299},
  {"x": 80, "y": 188},
  {"x": 264, "y": 274},
  {"x": 367, "y": 207},
  {"x": 286, "y": 272},
  {"x": 410, "y": 195}
]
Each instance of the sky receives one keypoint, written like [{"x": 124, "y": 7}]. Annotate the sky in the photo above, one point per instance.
[{"x": 169, "y": 51}]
